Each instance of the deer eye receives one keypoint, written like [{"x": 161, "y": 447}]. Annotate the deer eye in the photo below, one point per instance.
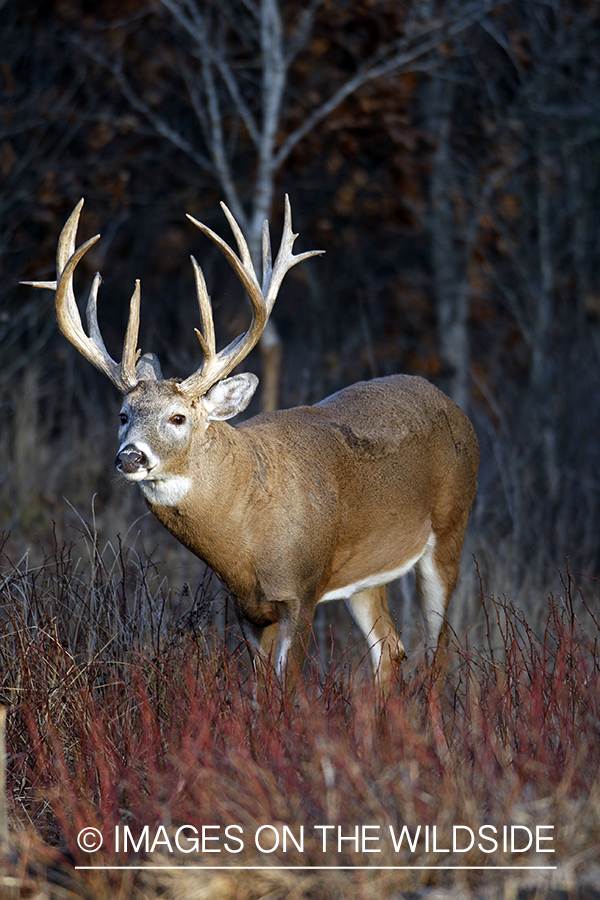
[
  {"x": 124, "y": 418},
  {"x": 178, "y": 419}
]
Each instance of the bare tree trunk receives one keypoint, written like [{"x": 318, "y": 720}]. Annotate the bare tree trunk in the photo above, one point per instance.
[
  {"x": 274, "y": 80},
  {"x": 449, "y": 270},
  {"x": 270, "y": 351},
  {"x": 541, "y": 364}
]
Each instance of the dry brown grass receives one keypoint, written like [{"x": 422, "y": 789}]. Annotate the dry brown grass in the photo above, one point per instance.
[{"x": 125, "y": 708}]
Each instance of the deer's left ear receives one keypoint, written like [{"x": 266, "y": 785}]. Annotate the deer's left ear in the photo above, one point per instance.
[{"x": 229, "y": 397}]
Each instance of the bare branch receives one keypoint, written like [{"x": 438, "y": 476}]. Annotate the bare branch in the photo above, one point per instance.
[
  {"x": 303, "y": 30},
  {"x": 159, "y": 124},
  {"x": 217, "y": 143},
  {"x": 195, "y": 25},
  {"x": 386, "y": 61}
]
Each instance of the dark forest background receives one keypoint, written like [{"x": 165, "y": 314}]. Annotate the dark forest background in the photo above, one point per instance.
[{"x": 445, "y": 155}]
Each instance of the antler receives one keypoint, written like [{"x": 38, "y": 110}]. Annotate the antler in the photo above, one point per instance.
[
  {"x": 91, "y": 348},
  {"x": 217, "y": 365}
]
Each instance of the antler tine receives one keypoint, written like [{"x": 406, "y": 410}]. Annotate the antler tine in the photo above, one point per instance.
[
  {"x": 65, "y": 250},
  {"x": 207, "y": 335},
  {"x": 217, "y": 365},
  {"x": 285, "y": 259},
  {"x": 131, "y": 354},
  {"x": 242, "y": 267},
  {"x": 267, "y": 259},
  {"x": 91, "y": 313},
  {"x": 91, "y": 348}
]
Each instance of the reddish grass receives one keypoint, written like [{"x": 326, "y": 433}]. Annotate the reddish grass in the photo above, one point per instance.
[{"x": 121, "y": 714}]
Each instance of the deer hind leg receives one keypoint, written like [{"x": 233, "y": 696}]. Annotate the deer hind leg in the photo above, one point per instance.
[
  {"x": 370, "y": 611},
  {"x": 437, "y": 574}
]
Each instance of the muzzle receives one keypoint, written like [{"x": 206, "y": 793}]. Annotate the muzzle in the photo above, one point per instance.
[{"x": 130, "y": 460}]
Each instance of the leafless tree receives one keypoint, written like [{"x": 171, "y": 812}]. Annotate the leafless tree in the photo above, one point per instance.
[
  {"x": 540, "y": 210},
  {"x": 239, "y": 68}
]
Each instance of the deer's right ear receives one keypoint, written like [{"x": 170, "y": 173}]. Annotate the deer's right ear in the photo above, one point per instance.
[
  {"x": 148, "y": 368},
  {"x": 230, "y": 396}
]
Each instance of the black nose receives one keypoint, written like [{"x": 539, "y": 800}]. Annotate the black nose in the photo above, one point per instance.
[{"x": 130, "y": 459}]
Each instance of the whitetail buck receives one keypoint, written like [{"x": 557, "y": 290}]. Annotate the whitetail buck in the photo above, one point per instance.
[{"x": 296, "y": 507}]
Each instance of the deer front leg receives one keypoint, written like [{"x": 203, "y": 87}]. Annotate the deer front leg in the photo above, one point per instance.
[
  {"x": 291, "y": 646},
  {"x": 261, "y": 643},
  {"x": 370, "y": 611},
  {"x": 280, "y": 647}
]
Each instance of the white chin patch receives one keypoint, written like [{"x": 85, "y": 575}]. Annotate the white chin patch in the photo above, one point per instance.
[
  {"x": 166, "y": 491},
  {"x": 140, "y": 475}
]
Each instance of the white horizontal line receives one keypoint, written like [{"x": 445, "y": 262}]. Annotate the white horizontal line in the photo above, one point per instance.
[{"x": 329, "y": 868}]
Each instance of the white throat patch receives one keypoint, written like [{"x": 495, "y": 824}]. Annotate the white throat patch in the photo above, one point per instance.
[{"x": 167, "y": 491}]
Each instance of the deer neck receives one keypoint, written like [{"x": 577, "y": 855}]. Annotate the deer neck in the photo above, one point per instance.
[{"x": 206, "y": 511}]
